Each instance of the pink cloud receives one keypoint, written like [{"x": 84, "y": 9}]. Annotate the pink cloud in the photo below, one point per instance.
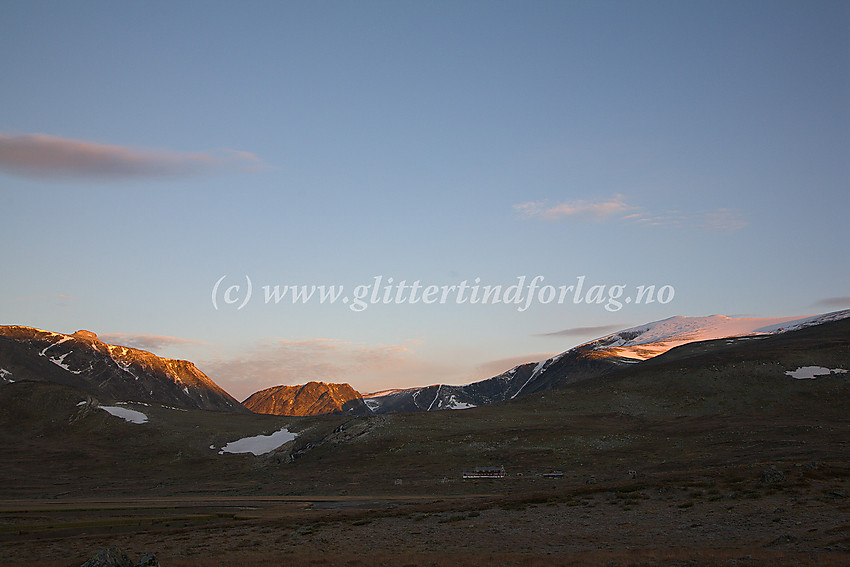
[
  {"x": 495, "y": 367},
  {"x": 833, "y": 302},
  {"x": 44, "y": 156},
  {"x": 596, "y": 210},
  {"x": 725, "y": 220},
  {"x": 597, "y": 331},
  {"x": 617, "y": 209},
  {"x": 288, "y": 362},
  {"x": 143, "y": 341}
]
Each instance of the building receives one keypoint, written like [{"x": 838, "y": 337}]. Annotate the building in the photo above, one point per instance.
[{"x": 485, "y": 472}]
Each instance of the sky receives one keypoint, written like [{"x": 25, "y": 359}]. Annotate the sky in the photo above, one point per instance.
[{"x": 158, "y": 158}]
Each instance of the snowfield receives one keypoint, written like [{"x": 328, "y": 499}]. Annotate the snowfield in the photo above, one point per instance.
[
  {"x": 812, "y": 372},
  {"x": 259, "y": 444},
  {"x": 652, "y": 339},
  {"x": 132, "y": 416},
  {"x": 383, "y": 393},
  {"x": 453, "y": 404},
  {"x": 60, "y": 362}
]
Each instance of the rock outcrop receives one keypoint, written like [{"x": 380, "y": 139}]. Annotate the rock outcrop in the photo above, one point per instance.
[
  {"x": 312, "y": 398},
  {"x": 107, "y": 371}
]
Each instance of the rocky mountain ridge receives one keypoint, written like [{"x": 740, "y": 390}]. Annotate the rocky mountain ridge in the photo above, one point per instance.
[
  {"x": 312, "y": 398},
  {"x": 83, "y": 361},
  {"x": 592, "y": 359},
  {"x": 115, "y": 372}
]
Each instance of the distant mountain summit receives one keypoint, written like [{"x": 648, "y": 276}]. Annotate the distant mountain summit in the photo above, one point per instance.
[
  {"x": 652, "y": 339},
  {"x": 115, "y": 372},
  {"x": 589, "y": 360},
  {"x": 83, "y": 361},
  {"x": 312, "y": 398}
]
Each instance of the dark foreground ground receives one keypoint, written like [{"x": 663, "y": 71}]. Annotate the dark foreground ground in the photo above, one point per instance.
[
  {"x": 707, "y": 455},
  {"x": 733, "y": 516}
]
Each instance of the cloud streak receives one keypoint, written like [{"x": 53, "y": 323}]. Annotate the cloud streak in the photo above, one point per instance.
[
  {"x": 492, "y": 368},
  {"x": 599, "y": 331},
  {"x": 599, "y": 210},
  {"x": 724, "y": 220},
  {"x": 49, "y": 157},
  {"x": 617, "y": 209},
  {"x": 830, "y": 302},
  {"x": 144, "y": 342},
  {"x": 58, "y": 299},
  {"x": 289, "y": 362}
]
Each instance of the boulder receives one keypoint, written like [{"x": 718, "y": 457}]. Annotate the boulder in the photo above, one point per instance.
[
  {"x": 148, "y": 560},
  {"x": 109, "y": 557},
  {"x": 771, "y": 475},
  {"x": 114, "y": 557}
]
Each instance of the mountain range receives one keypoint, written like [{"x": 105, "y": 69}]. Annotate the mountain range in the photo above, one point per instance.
[
  {"x": 751, "y": 430},
  {"x": 592, "y": 359},
  {"x": 82, "y": 361}
]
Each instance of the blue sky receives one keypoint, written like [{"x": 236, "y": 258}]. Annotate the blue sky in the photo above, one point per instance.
[{"x": 148, "y": 149}]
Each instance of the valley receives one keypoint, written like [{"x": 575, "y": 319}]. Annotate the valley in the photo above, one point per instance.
[{"x": 708, "y": 454}]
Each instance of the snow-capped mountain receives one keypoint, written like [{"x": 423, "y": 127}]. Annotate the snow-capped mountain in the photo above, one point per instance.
[
  {"x": 588, "y": 360},
  {"x": 570, "y": 366},
  {"x": 83, "y": 361},
  {"x": 652, "y": 339}
]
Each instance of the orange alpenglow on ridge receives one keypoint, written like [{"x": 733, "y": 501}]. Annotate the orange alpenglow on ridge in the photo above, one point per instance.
[{"x": 312, "y": 398}]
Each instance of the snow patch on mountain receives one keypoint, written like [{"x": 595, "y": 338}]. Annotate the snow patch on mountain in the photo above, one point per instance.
[
  {"x": 812, "y": 372},
  {"x": 383, "y": 393},
  {"x": 259, "y": 444},
  {"x": 60, "y": 362},
  {"x": 125, "y": 366},
  {"x": 50, "y": 346},
  {"x": 539, "y": 369},
  {"x": 436, "y": 397},
  {"x": 805, "y": 322},
  {"x": 649, "y": 340},
  {"x": 453, "y": 404},
  {"x": 126, "y": 414},
  {"x": 534, "y": 374}
]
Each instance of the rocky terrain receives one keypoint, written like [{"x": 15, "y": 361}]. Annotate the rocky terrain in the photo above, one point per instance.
[
  {"x": 722, "y": 452},
  {"x": 312, "y": 398},
  {"x": 109, "y": 372},
  {"x": 589, "y": 360}
]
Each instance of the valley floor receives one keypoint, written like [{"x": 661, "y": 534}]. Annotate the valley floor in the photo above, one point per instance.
[
  {"x": 709, "y": 455},
  {"x": 690, "y": 519}
]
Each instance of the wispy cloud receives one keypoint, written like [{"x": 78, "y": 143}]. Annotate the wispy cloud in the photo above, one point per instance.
[
  {"x": 44, "y": 156},
  {"x": 833, "y": 302},
  {"x": 724, "y": 220},
  {"x": 144, "y": 342},
  {"x": 495, "y": 367},
  {"x": 617, "y": 209},
  {"x": 599, "y": 331},
  {"x": 594, "y": 210},
  {"x": 667, "y": 218},
  {"x": 287, "y": 362},
  {"x": 57, "y": 299}
]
